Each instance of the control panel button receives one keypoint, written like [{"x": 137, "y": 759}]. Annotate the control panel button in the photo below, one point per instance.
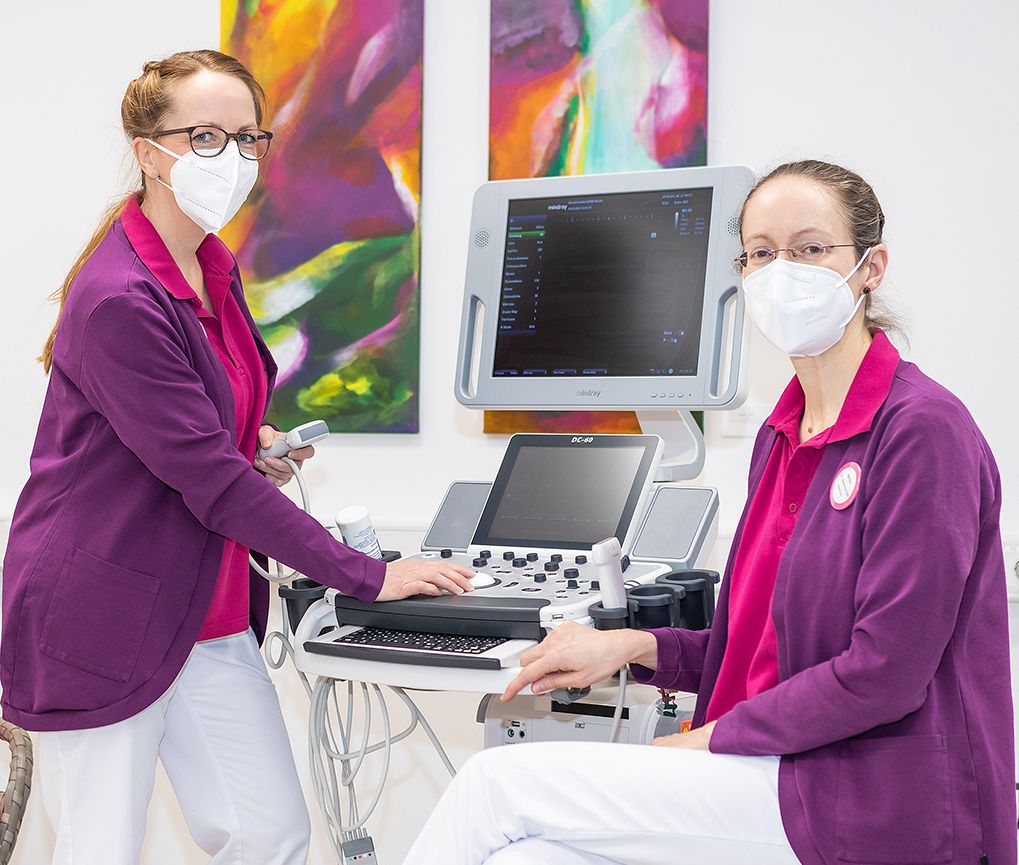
[
  {"x": 556, "y": 557},
  {"x": 479, "y": 563},
  {"x": 519, "y": 563},
  {"x": 581, "y": 560},
  {"x": 595, "y": 586},
  {"x": 532, "y": 557},
  {"x": 571, "y": 573},
  {"x": 446, "y": 554},
  {"x": 551, "y": 567},
  {"x": 572, "y": 584},
  {"x": 509, "y": 555},
  {"x": 485, "y": 554},
  {"x": 540, "y": 578}
]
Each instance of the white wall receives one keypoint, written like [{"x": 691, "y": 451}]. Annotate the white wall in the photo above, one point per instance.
[{"x": 917, "y": 97}]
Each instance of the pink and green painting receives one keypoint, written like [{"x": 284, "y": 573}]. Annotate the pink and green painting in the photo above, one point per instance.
[
  {"x": 329, "y": 242},
  {"x": 590, "y": 86}
]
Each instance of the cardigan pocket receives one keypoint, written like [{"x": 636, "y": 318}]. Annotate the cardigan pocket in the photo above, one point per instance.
[
  {"x": 98, "y": 616},
  {"x": 893, "y": 801}
]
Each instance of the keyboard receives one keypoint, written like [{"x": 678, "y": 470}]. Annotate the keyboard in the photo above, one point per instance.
[
  {"x": 414, "y": 647},
  {"x": 417, "y": 641}
]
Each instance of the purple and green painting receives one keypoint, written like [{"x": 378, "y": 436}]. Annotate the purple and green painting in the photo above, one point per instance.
[
  {"x": 329, "y": 242},
  {"x": 589, "y": 86}
]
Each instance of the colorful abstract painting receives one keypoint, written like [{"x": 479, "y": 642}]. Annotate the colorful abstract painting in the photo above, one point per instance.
[
  {"x": 329, "y": 242},
  {"x": 589, "y": 86}
]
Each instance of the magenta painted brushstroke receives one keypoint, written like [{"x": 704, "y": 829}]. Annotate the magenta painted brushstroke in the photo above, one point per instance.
[{"x": 340, "y": 187}]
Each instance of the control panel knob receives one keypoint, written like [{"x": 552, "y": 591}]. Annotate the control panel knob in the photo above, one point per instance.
[
  {"x": 556, "y": 557},
  {"x": 571, "y": 573},
  {"x": 519, "y": 563},
  {"x": 551, "y": 566},
  {"x": 571, "y": 584},
  {"x": 595, "y": 586},
  {"x": 532, "y": 557},
  {"x": 540, "y": 578},
  {"x": 581, "y": 560},
  {"x": 485, "y": 554},
  {"x": 509, "y": 555},
  {"x": 446, "y": 554},
  {"x": 479, "y": 563}
]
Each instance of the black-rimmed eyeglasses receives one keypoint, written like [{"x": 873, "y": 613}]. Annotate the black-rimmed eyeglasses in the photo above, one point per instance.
[{"x": 209, "y": 141}]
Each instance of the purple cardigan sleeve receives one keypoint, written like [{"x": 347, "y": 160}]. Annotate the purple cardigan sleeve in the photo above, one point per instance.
[
  {"x": 920, "y": 532},
  {"x": 134, "y": 371},
  {"x": 680, "y": 660}
]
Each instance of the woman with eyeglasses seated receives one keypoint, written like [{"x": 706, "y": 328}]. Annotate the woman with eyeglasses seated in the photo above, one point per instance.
[
  {"x": 853, "y": 692},
  {"x": 131, "y": 620}
]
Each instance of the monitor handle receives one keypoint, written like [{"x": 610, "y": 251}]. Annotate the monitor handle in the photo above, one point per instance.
[
  {"x": 683, "y": 451},
  {"x": 470, "y": 345},
  {"x": 725, "y": 313}
]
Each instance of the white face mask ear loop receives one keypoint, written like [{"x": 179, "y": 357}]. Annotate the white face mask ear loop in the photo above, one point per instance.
[
  {"x": 168, "y": 152},
  {"x": 863, "y": 293}
]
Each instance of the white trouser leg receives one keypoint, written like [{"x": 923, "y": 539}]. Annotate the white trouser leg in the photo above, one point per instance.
[
  {"x": 96, "y": 785},
  {"x": 228, "y": 757},
  {"x": 532, "y": 851},
  {"x": 624, "y": 803}
]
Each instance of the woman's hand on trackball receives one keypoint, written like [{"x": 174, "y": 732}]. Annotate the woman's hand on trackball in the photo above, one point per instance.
[{"x": 407, "y": 577}]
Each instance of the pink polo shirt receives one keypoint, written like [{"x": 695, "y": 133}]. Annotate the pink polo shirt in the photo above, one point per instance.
[
  {"x": 234, "y": 345},
  {"x": 750, "y": 663}
]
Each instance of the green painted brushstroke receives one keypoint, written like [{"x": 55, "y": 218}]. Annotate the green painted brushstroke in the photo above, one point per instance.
[{"x": 357, "y": 290}]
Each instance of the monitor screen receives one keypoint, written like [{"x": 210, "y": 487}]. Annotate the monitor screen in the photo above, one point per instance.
[
  {"x": 566, "y": 491},
  {"x": 603, "y": 285}
]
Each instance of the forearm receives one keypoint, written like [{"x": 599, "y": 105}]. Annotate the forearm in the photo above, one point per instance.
[{"x": 670, "y": 658}]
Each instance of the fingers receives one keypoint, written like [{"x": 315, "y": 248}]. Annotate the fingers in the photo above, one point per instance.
[
  {"x": 299, "y": 455},
  {"x": 266, "y": 436},
  {"x": 530, "y": 673},
  {"x": 419, "y": 587},
  {"x": 464, "y": 572},
  {"x": 457, "y": 576},
  {"x": 559, "y": 680}
]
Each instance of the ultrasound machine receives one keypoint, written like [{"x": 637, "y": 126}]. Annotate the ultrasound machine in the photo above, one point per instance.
[{"x": 599, "y": 292}]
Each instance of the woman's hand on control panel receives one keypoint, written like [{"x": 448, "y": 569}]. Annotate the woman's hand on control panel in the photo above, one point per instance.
[
  {"x": 574, "y": 656},
  {"x": 407, "y": 577}
]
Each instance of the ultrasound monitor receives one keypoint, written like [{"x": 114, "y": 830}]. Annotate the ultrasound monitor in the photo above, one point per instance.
[
  {"x": 612, "y": 291},
  {"x": 568, "y": 492}
]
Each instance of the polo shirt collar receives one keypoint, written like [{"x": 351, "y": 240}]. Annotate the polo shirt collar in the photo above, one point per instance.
[
  {"x": 866, "y": 395},
  {"x": 213, "y": 256}
]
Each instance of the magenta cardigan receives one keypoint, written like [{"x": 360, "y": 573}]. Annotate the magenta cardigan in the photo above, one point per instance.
[
  {"x": 136, "y": 481},
  {"x": 893, "y": 713}
]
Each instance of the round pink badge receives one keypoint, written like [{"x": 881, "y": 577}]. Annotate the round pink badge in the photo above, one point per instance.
[{"x": 846, "y": 486}]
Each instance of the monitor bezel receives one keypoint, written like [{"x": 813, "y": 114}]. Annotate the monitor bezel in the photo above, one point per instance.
[
  {"x": 632, "y": 509},
  {"x": 478, "y": 387}
]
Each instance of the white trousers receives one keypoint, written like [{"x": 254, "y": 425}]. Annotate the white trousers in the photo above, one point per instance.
[
  {"x": 220, "y": 735},
  {"x": 577, "y": 803}
]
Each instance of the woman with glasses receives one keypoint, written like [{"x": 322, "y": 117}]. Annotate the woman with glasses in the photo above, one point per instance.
[
  {"x": 853, "y": 691},
  {"x": 131, "y": 620}
]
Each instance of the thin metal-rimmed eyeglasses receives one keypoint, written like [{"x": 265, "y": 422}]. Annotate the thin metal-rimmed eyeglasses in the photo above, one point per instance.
[
  {"x": 211, "y": 141},
  {"x": 809, "y": 251}
]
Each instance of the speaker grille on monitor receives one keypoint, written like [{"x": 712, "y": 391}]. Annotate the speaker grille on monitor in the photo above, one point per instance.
[
  {"x": 481, "y": 238},
  {"x": 733, "y": 226}
]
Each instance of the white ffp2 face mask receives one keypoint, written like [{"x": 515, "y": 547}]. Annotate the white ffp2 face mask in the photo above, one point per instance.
[
  {"x": 802, "y": 309},
  {"x": 210, "y": 189}
]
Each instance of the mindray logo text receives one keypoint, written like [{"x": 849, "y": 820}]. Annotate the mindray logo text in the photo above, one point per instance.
[
  {"x": 588, "y": 393},
  {"x": 558, "y": 206}
]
